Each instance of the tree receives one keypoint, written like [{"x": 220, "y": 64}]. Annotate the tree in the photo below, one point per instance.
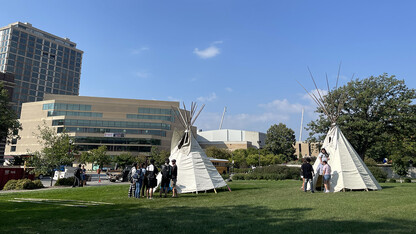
[
  {"x": 159, "y": 155},
  {"x": 239, "y": 157},
  {"x": 215, "y": 152},
  {"x": 57, "y": 150},
  {"x": 98, "y": 156},
  {"x": 376, "y": 115},
  {"x": 125, "y": 159},
  {"x": 400, "y": 168},
  {"x": 280, "y": 140},
  {"x": 9, "y": 125}
]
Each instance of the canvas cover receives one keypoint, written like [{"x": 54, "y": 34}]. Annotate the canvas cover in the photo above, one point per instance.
[
  {"x": 195, "y": 171},
  {"x": 348, "y": 169}
]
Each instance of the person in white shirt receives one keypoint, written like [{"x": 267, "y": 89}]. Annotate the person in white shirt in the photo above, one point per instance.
[
  {"x": 151, "y": 172},
  {"x": 132, "y": 188}
]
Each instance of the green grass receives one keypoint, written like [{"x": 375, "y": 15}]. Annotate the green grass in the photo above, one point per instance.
[{"x": 252, "y": 207}]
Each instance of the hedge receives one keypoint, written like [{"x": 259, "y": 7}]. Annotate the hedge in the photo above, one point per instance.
[
  {"x": 65, "y": 181},
  {"x": 273, "y": 172},
  {"x": 22, "y": 184},
  {"x": 378, "y": 173}
]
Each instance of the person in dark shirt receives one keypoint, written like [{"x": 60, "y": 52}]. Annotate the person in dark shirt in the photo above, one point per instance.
[
  {"x": 174, "y": 177},
  {"x": 308, "y": 173},
  {"x": 77, "y": 176}
]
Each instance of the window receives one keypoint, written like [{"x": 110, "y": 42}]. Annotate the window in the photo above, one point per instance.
[{"x": 13, "y": 148}]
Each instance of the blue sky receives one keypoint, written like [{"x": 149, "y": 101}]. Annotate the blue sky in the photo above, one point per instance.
[{"x": 246, "y": 55}]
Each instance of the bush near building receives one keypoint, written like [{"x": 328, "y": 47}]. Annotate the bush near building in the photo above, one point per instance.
[
  {"x": 273, "y": 172},
  {"x": 65, "y": 181},
  {"x": 23, "y": 184}
]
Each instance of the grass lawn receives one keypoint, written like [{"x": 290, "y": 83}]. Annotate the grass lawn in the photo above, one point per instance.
[{"x": 252, "y": 207}]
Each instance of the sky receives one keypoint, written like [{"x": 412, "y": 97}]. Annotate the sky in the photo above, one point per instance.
[{"x": 243, "y": 55}]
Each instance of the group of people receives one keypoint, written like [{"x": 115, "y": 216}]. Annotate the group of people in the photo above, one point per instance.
[
  {"x": 143, "y": 179},
  {"x": 324, "y": 170},
  {"x": 80, "y": 176}
]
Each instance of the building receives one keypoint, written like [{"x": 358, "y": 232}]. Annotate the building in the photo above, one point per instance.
[
  {"x": 306, "y": 149},
  {"x": 123, "y": 125},
  {"x": 231, "y": 139},
  {"x": 7, "y": 79},
  {"x": 41, "y": 63}
]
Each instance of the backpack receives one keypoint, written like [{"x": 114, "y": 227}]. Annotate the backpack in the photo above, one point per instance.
[
  {"x": 151, "y": 175},
  {"x": 166, "y": 171}
]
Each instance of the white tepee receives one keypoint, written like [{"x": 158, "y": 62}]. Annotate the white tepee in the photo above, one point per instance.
[
  {"x": 195, "y": 171},
  {"x": 349, "y": 172}
]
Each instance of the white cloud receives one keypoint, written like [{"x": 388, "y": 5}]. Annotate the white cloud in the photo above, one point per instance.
[
  {"x": 140, "y": 50},
  {"x": 209, "y": 52},
  {"x": 142, "y": 74},
  {"x": 229, "y": 89},
  {"x": 210, "y": 97},
  {"x": 170, "y": 98},
  {"x": 315, "y": 93}
]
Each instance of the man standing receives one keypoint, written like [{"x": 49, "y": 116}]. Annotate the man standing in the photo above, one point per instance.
[
  {"x": 174, "y": 177},
  {"x": 77, "y": 176},
  {"x": 132, "y": 172},
  {"x": 166, "y": 176},
  {"x": 151, "y": 172},
  {"x": 307, "y": 170}
]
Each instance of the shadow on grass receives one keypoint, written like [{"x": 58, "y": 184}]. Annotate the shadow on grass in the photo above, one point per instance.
[
  {"x": 143, "y": 217},
  {"x": 386, "y": 187}
]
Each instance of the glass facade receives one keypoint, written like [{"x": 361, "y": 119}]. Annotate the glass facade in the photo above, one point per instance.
[
  {"x": 155, "y": 111},
  {"x": 157, "y": 117},
  {"x": 103, "y": 123},
  {"x": 119, "y": 148},
  {"x": 74, "y": 113},
  {"x": 40, "y": 62},
  {"x": 63, "y": 106},
  {"x": 113, "y": 130}
]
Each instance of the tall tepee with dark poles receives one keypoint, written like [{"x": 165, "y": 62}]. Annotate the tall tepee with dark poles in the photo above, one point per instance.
[
  {"x": 195, "y": 171},
  {"x": 349, "y": 172}
]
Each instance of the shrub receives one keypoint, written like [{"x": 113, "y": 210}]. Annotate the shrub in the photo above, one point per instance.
[
  {"x": 378, "y": 173},
  {"x": 65, "y": 181},
  {"x": 408, "y": 180},
  {"x": 392, "y": 180},
  {"x": 22, "y": 184},
  {"x": 225, "y": 176},
  {"x": 370, "y": 162},
  {"x": 273, "y": 172},
  {"x": 10, "y": 185},
  {"x": 242, "y": 170}
]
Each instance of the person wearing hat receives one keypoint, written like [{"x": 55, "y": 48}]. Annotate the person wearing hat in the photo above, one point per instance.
[
  {"x": 174, "y": 177},
  {"x": 166, "y": 176}
]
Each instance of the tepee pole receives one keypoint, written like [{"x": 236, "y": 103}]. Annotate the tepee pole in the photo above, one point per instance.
[
  {"x": 222, "y": 118},
  {"x": 301, "y": 127}
]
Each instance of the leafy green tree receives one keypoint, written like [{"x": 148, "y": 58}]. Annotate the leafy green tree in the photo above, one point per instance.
[
  {"x": 253, "y": 159},
  {"x": 9, "y": 125},
  {"x": 159, "y": 155},
  {"x": 280, "y": 140},
  {"x": 400, "y": 168},
  {"x": 215, "y": 152},
  {"x": 125, "y": 159},
  {"x": 98, "y": 156},
  {"x": 239, "y": 157},
  {"x": 376, "y": 116},
  {"x": 57, "y": 150}
]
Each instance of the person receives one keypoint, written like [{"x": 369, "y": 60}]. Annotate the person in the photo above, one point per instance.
[
  {"x": 308, "y": 174},
  {"x": 140, "y": 176},
  {"x": 166, "y": 176},
  {"x": 130, "y": 178},
  {"x": 301, "y": 174},
  {"x": 323, "y": 156},
  {"x": 174, "y": 178},
  {"x": 327, "y": 176},
  {"x": 77, "y": 176},
  {"x": 145, "y": 182},
  {"x": 151, "y": 172},
  {"x": 83, "y": 175}
]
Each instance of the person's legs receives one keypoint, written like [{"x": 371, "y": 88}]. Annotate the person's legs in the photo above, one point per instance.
[
  {"x": 305, "y": 184},
  {"x": 137, "y": 191},
  {"x": 151, "y": 193},
  {"x": 328, "y": 182}
]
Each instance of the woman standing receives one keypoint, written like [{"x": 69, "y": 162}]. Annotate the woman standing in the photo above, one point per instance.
[{"x": 327, "y": 176}]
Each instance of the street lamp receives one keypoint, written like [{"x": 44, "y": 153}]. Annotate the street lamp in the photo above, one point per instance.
[{"x": 258, "y": 142}]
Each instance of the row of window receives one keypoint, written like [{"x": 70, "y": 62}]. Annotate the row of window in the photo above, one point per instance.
[
  {"x": 75, "y": 113},
  {"x": 102, "y": 123},
  {"x": 116, "y": 148},
  {"x": 157, "y": 117},
  {"x": 38, "y": 33},
  {"x": 112, "y": 130},
  {"x": 116, "y": 140},
  {"x": 64, "y": 106},
  {"x": 155, "y": 111}
]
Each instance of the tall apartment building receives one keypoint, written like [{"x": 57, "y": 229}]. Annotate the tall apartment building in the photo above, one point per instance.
[{"x": 41, "y": 63}]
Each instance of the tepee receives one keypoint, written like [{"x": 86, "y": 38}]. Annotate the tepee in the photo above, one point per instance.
[
  {"x": 349, "y": 172},
  {"x": 195, "y": 171}
]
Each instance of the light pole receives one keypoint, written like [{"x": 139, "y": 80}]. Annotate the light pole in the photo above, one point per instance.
[{"x": 258, "y": 142}]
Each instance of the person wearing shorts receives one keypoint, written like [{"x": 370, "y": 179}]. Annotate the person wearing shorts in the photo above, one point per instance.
[
  {"x": 151, "y": 172},
  {"x": 327, "y": 176},
  {"x": 174, "y": 178}
]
